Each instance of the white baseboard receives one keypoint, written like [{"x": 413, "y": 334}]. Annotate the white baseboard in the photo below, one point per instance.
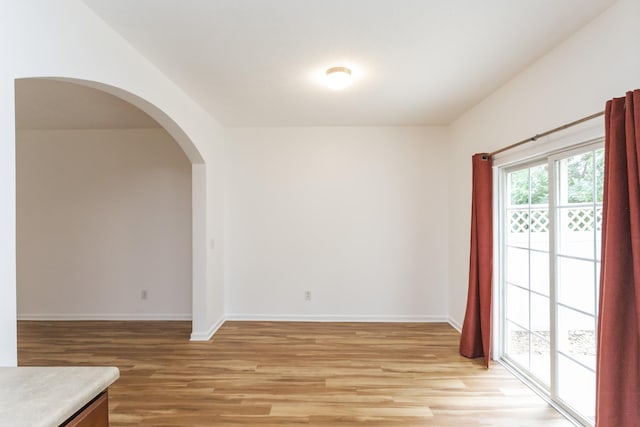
[
  {"x": 334, "y": 318},
  {"x": 103, "y": 316},
  {"x": 206, "y": 336},
  {"x": 457, "y": 326}
]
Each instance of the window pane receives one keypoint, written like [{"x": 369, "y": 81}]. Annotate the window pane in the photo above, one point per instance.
[
  {"x": 598, "y": 235},
  {"x": 599, "y": 174},
  {"x": 540, "y": 272},
  {"x": 518, "y": 345},
  {"x": 518, "y": 267},
  {"x": 575, "y": 232},
  {"x": 576, "y": 284},
  {"x": 540, "y": 228},
  {"x": 518, "y": 306},
  {"x": 519, "y": 187},
  {"x": 576, "y": 387},
  {"x": 518, "y": 231},
  {"x": 597, "y": 294},
  {"x": 576, "y": 174},
  {"x": 576, "y": 336},
  {"x": 540, "y": 359},
  {"x": 539, "y": 185},
  {"x": 540, "y": 315}
]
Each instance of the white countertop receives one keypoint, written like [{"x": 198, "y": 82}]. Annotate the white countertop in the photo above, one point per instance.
[{"x": 48, "y": 396}]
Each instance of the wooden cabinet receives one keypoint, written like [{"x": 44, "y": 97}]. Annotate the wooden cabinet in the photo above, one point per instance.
[{"x": 94, "y": 414}]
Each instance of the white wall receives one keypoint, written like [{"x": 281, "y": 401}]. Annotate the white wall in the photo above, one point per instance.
[
  {"x": 40, "y": 38},
  {"x": 8, "y": 338},
  {"x": 357, "y": 216},
  {"x": 574, "y": 80},
  {"x": 102, "y": 215}
]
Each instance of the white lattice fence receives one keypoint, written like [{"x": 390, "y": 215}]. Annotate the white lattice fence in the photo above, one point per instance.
[
  {"x": 578, "y": 219},
  {"x": 539, "y": 221},
  {"x": 519, "y": 221}
]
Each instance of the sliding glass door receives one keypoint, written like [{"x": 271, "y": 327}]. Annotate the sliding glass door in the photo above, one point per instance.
[
  {"x": 550, "y": 261},
  {"x": 577, "y": 265}
]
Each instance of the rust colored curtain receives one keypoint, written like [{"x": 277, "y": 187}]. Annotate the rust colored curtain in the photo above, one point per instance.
[
  {"x": 618, "y": 356},
  {"x": 476, "y": 329}
]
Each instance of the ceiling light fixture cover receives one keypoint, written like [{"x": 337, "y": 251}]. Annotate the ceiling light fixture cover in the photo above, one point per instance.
[{"x": 338, "y": 78}]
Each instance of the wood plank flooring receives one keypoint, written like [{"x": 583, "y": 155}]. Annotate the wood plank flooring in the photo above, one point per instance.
[{"x": 288, "y": 374}]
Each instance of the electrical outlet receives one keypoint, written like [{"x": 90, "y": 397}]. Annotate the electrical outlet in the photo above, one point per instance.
[
  {"x": 143, "y": 294},
  {"x": 307, "y": 295}
]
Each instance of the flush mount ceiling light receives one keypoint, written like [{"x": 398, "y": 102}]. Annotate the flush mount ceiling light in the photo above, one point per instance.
[{"x": 338, "y": 78}]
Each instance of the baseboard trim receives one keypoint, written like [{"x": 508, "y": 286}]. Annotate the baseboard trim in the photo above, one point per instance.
[
  {"x": 334, "y": 318},
  {"x": 206, "y": 336},
  {"x": 104, "y": 316},
  {"x": 457, "y": 326}
]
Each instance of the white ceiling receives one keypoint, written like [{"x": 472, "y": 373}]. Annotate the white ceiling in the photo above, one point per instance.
[{"x": 414, "y": 62}]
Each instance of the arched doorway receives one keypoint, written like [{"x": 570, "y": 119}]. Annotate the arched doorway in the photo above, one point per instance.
[{"x": 198, "y": 246}]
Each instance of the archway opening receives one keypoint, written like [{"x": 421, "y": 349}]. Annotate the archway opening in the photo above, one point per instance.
[{"x": 106, "y": 185}]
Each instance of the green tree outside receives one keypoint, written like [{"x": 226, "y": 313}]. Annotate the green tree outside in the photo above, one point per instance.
[{"x": 578, "y": 182}]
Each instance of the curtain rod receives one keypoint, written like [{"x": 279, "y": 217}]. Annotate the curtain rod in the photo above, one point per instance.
[{"x": 549, "y": 132}]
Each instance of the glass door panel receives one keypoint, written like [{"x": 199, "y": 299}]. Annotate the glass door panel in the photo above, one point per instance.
[
  {"x": 576, "y": 283},
  {"x": 578, "y": 223},
  {"x": 576, "y": 387},
  {"x": 527, "y": 271}
]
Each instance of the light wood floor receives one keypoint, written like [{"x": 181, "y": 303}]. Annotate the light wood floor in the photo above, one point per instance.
[{"x": 288, "y": 374}]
